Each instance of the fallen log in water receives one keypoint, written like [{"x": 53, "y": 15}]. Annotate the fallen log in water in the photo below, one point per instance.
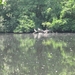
[{"x": 41, "y": 31}]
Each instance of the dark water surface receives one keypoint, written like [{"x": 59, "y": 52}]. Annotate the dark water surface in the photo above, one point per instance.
[{"x": 37, "y": 54}]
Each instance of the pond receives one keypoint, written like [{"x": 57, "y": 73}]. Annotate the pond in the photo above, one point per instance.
[{"x": 37, "y": 54}]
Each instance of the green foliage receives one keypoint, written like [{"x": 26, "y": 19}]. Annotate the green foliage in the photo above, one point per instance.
[
  {"x": 26, "y": 25},
  {"x": 68, "y": 10},
  {"x": 1, "y": 24},
  {"x": 57, "y": 15},
  {"x": 46, "y": 24},
  {"x": 0, "y": 1},
  {"x": 10, "y": 16},
  {"x": 58, "y": 24},
  {"x": 68, "y": 14}
]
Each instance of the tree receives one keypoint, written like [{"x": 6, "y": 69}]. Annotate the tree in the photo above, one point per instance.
[
  {"x": 52, "y": 14},
  {"x": 0, "y": 1}
]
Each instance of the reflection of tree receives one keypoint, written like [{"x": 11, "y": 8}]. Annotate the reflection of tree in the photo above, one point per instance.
[
  {"x": 23, "y": 55},
  {"x": 68, "y": 57}
]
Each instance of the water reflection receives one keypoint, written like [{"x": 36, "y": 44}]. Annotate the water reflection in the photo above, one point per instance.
[
  {"x": 22, "y": 54},
  {"x": 40, "y": 35}
]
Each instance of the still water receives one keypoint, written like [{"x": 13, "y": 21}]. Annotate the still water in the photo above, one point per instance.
[{"x": 37, "y": 54}]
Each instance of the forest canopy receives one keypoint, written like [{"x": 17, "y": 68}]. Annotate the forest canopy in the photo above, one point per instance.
[{"x": 21, "y": 16}]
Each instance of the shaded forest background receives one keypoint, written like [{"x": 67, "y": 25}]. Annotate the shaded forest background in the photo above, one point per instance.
[{"x": 20, "y": 16}]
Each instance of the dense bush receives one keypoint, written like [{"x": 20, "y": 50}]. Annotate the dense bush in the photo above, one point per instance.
[
  {"x": 25, "y": 15},
  {"x": 25, "y": 25}
]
